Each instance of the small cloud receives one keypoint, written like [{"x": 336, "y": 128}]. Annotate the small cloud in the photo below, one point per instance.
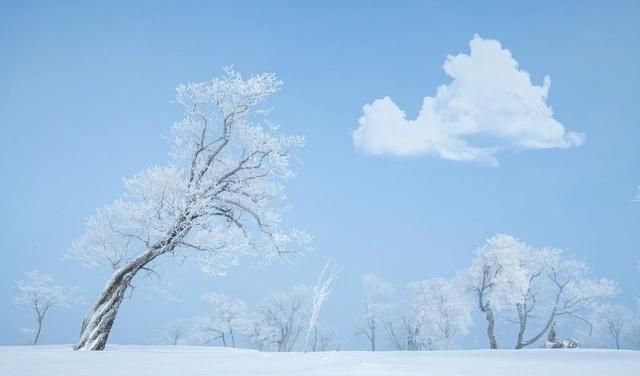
[{"x": 490, "y": 105}]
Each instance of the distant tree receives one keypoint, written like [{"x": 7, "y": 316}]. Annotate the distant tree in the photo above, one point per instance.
[
  {"x": 214, "y": 200},
  {"x": 375, "y": 305},
  {"x": 39, "y": 293},
  {"x": 404, "y": 327},
  {"x": 278, "y": 325},
  {"x": 323, "y": 338},
  {"x": 227, "y": 318},
  {"x": 442, "y": 308},
  {"x": 176, "y": 332},
  {"x": 396, "y": 332},
  {"x": 615, "y": 321}
]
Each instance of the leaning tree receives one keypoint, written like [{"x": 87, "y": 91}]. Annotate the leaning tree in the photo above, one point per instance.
[{"x": 213, "y": 202}]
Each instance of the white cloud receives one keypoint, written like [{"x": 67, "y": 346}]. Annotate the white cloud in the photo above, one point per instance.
[{"x": 490, "y": 105}]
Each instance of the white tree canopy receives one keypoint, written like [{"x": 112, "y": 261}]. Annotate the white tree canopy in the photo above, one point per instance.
[
  {"x": 225, "y": 178},
  {"x": 38, "y": 291},
  {"x": 497, "y": 271}
]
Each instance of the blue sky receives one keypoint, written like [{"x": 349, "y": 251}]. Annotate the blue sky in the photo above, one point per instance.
[{"x": 87, "y": 94}]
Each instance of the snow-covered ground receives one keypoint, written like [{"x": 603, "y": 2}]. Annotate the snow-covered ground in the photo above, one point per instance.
[{"x": 195, "y": 361}]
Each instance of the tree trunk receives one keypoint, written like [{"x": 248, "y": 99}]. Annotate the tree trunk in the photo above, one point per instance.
[
  {"x": 522, "y": 314},
  {"x": 38, "y": 330},
  {"x": 314, "y": 344},
  {"x": 233, "y": 340},
  {"x": 98, "y": 322},
  {"x": 373, "y": 339},
  {"x": 488, "y": 312},
  {"x": 491, "y": 324}
]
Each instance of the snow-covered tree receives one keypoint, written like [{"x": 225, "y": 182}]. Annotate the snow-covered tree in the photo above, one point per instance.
[
  {"x": 541, "y": 283},
  {"x": 442, "y": 308},
  {"x": 497, "y": 278},
  {"x": 319, "y": 294},
  {"x": 38, "y": 293},
  {"x": 215, "y": 200},
  {"x": 176, "y": 332},
  {"x": 226, "y": 320},
  {"x": 404, "y": 327},
  {"x": 614, "y": 320},
  {"x": 278, "y": 325},
  {"x": 557, "y": 287},
  {"x": 375, "y": 305}
]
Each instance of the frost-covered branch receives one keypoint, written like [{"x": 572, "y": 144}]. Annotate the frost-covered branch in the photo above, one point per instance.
[{"x": 319, "y": 294}]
